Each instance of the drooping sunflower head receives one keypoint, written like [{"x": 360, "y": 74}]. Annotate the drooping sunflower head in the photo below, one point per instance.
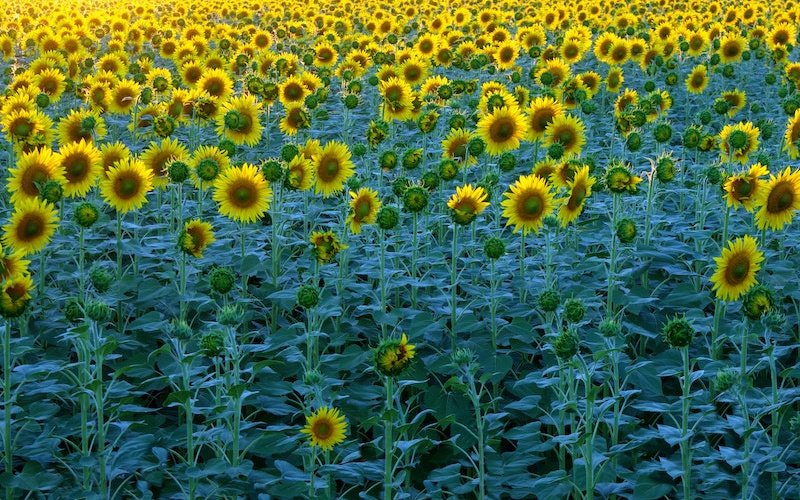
[
  {"x": 393, "y": 356},
  {"x": 332, "y": 168},
  {"x": 243, "y": 194},
  {"x": 620, "y": 179},
  {"x": 736, "y": 268},
  {"x": 196, "y": 236},
  {"x": 34, "y": 169},
  {"x": 569, "y": 132},
  {"x": 325, "y": 245},
  {"x": 778, "y": 200},
  {"x": 541, "y": 113},
  {"x": 325, "y": 428},
  {"x": 126, "y": 185},
  {"x": 467, "y": 203},
  {"x": 580, "y": 188},
  {"x": 364, "y": 206},
  {"x": 502, "y": 130},
  {"x": 31, "y": 226},
  {"x": 527, "y": 202},
  {"x": 743, "y": 190},
  {"x": 239, "y": 121},
  {"x": 14, "y": 295}
]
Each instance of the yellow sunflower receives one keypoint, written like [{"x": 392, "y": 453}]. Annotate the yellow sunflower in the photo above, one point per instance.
[
  {"x": 454, "y": 146},
  {"x": 196, "y": 237},
  {"x": 126, "y": 185},
  {"x": 157, "y": 158},
  {"x": 300, "y": 173},
  {"x": 779, "y": 200},
  {"x": 737, "y": 268},
  {"x": 364, "y": 207},
  {"x": 243, "y": 193},
  {"x": 33, "y": 170},
  {"x": 14, "y": 295},
  {"x": 731, "y": 47},
  {"x": 81, "y": 125},
  {"x": 528, "y": 201},
  {"x": 124, "y": 96},
  {"x": 568, "y": 131},
  {"x": 332, "y": 168},
  {"x": 12, "y": 264},
  {"x": 467, "y": 203},
  {"x": 292, "y": 91},
  {"x": 580, "y": 188},
  {"x": 325, "y": 428},
  {"x": 239, "y": 120},
  {"x": 502, "y": 130},
  {"x": 541, "y": 113},
  {"x": 737, "y": 141},
  {"x": 216, "y": 83},
  {"x": 697, "y": 81},
  {"x": 112, "y": 152},
  {"x": 397, "y": 99},
  {"x": 743, "y": 190},
  {"x": 81, "y": 164},
  {"x": 791, "y": 138},
  {"x": 31, "y": 226}
]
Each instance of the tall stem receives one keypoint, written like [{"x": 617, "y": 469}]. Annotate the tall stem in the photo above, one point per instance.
[
  {"x": 388, "y": 471},
  {"x": 414, "y": 252},
  {"x": 686, "y": 449},
  {"x": 382, "y": 277},
  {"x": 7, "y": 401},
  {"x": 612, "y": 260},
  {"x": 523, "y": 284},
  {"x": 99, "y": 399},
  {"x": 453, "y": 286}
]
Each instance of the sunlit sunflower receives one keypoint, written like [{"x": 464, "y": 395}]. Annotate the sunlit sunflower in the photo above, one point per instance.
[
  {"x": 216, "y": 83},
  {"x": 325, "y": 55},
  {"x": 541, "y": 113},
  {"x": 502, "y": 130},
  {"x": 325, "y": 245},
  {"x": 332, "y": 168},
  {"x": 454, "y": 146},
  {"x": 568, "y": 131},
  {"x": 31, "y": 226},
  {"x": 12, "y": 263},
  {"x": 614, "y": 80},
  {"x": 697, "y": 81},
  {"x": 239, "y": 120},
  {"x": 112, "y": 152},
  {"x": 325, "y": 428},
  {"x": 81, "y": 125},
  {"x": 731, "y": 47},
  {"x": 528, "y": 201},
  {"x": 158, "y": 156},
  {"x": 791, "y": 138},
  {"x": 736, "y": 100},
  {"x": 467, "y": 203},
  {"x": 292, "y": 91},
  {"x": 209, "y": 159},
  {"x": 779, "y": 200},
  {"x": 81, "y": 164},
  {"x": 296, "y": 118},
  {"x": 14, "y": 295},
  {"x": 737, "y": 141},
  {"x": 243, "y": 194},
  {"x": 196, "y": 236},
  {"x": 300, "y": 173},
  {"x": 737, "y": 268},
  {"x": 52, "y": 83},
  {"x": 393, "y": 356},
  {"x": 364, "y": 207},
  {"x": 27, "y": 130},
  {"x": 743, "y": 190},
  {"x": 397, "y": 99},
  {"x": 126, "y": 185},
  {"x": 505, "y": 54},
  {"x": 124, "y": 96},
  {"x": 33, "y": 170}
]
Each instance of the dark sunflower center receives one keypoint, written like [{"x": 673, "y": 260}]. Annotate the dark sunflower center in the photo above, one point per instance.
[
  {"x": 737, "y": 270},
  {"x": 502, "y": 130},
  {"x": 329, "y": 170},
  {"x": 780, "y": 198},
  {"x": 16, "y": 292},
  {"x": 30, "y": 227},
  {"x": 33, "y": 177},
  {"x": 576, "y": 200},
  {"x": 362, "y": 210},
  {"x": 242, "y": 195},
  {"x": 742, "y": 189},
  {"x": 22, "y": 129},
  {"x": 322, "y": 429},
  {"x": 565, "y": 137},
  {"x": 127, "y": 187},
  {"x": 77, "y": 169},
  {"x": 532, "y": 205}
]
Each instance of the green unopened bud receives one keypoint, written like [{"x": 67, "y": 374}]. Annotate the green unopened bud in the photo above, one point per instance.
[
  {"x": 86, "y": 214},
  {"x": 221, "y": 280},
  {"x": 388, "y": 217},
  {"x": 549, "y": 300},
  {"x": 308, "y": 296},
  {"x": 678, "y": 332},
  {"x": 574, "y": 310},
  {"x": 566, "y": 344},
  {"x": 101, "y": 279},
  {"x": 212, "y": 343},
  {"x": 97, "y": 311},
  {"x": 494, "y": 248},
  {"x": 178, "y": 171},
  {"x": 51, "y": 192}
]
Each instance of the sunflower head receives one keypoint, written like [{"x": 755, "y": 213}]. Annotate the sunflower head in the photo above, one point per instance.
[
  {"x": 15, "y": 293},
  {"x": 467, "y": 203},
  {"x": 736, "y": 268},
  {"x": 326, "y": 245},
  {"x": 528, "y": 201},
  {"x": 393, "y": 356},
  {"x": 758, "y": 302},
  {"x": 678, "y": 332},
  {"x": 196, "y": 237}
]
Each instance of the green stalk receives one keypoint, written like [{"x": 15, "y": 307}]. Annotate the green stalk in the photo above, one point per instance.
[
  {"x": 182, "y": 284},
  {"x": 612, "y": 261},
  {"x": 414, "y": 258},
  {"x": 453, "y": 279},
  {"x": 774, "y": 425},
  {"x": 276, "y": 254},
  {"x": 388, "y": 443},
  {"x": 524, "y": 291},
  {"x": 237, "y": 400},
  {"x": 85, "y": 374},
  {"x": 479, "y": 428},
  {"x": 648, "y": 229},
  {"x": 242, "y": 253},
  {"x": 99, "y": 399},
  {"x": 119, "y": 268},
  {"x": 189, "y": 411},
  {"x": 382, "y": 277},
  {"x": 7, "y": 444},
  {"x": 686, "y": 450},
  {"x": 81, "y": 266},
  {"x": 312, "y": 485},
  {"x": 493, "y": 305}
]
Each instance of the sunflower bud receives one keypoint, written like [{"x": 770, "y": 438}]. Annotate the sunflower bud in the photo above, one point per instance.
[
  {"x": 101, "y": 279},
  {"x": 393, "y": 356},
  {"x": 230, "y": 315},
  {"x": 221, "y": 280},
  {"x": 662, "y": 132},
  {"x": 457, "y": 122},
  {"x": 212, "y": 343},
  {"x": 415, "y": 199},
  {"x": 51, "y": 192},
  {"x": 609, "y": 328},
  {"x": 566, "y": 344},
  {"x": 178, "y": 171},
  {"x": 507, "y": 162},
  {"x": 691, "y": 137},
  {"x": 97, "y": 311},
  {"x": 308, "y": 296},
  {"x": 73, "y": 310},
  {"x": 626, "y": 230},
  {"x": 272, "y": 170},
  {"x": 494, "y": 248},
  {"x": 181, "y": 330},
  {"x": 42, "y": 100},
  {"x": 678, "y": 332},
  {"x": 574, "y": 310},
  {"x": 412, "y": 158},
  {"x": 164, "y": 125},
  {"x": 633, "y": 142},
  {"x": 228, "y": 146},
  {"x": 448, "y": 169},
  {"x": 549, "y": 300},
  {"x": 723, "y": 381},
  {"x": 555, "y": 151},
  {"x": 757, "y": 302},
  {"x": 86, "y": 214},
  {"x": 207, "y": 170},
  {"x": 463, "y": 357},
  {"x": 476, "y": 146},
  {"x": 388, "y": 217}
]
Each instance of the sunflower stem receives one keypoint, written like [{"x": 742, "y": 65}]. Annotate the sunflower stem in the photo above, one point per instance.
[
  {"x": 686, "y": 449},
  {"x": 453, "y": 279},
  {"x": 242, "y": 254},
  {"x": 81, "y": 265},
  {"x": 119, "y": 268},
  {"x": 388, "y": 440},
  {"x": 523, "y": 285},
  {"x": 612, "y": 260},
  {"x": 493, "y": 305},
  {"x": 414, "y": 252},
  {"x": 99, "y": 400},
  {"x": 382, "y": 277},
  {"x": 8, "y": 457}
]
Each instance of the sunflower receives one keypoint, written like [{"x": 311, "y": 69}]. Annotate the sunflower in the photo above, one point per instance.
[
  {"x": 81, "y": 125},
  {"x": 568, "y": 131},
  {"x": 243, "y": 193},
  {"x": 397, "y": 99},
  {"x": 731, "y": 47},
  {"x": 364, "y": 207},
  {"x": 454, "y": 146},
  {"x": 779, "y": 200},
  {"x": 736, "y": 142},
  {"x": 393, "y": 356},
  {"x": 541, "y": 113},
  {"x": 52, "y": 83},
  {"x": 205, "y": 158},
  {"x": 296, "y": 118},
  {"x": 216, "y": 83},
  {"x": 737, "y": 268},
  {"x": 791, "y": 138},
  {"x": 697, "y": 81},
  {"x": 31, "y": 226},
  {"x": 14, "y": 295},
  {"x": 736, "y": 100},
  {"x": 325, "y": 245},
  {"x": 239, "y": 120},
  {"x": 126, "y": 185},
  {"x": 124, "y": 96},
  {"x": 505, "y": 55},
  {"x": 502, "y": 130},
  {"x": 112, "y": 152},
  {"x": 157, "y": 158},
  {"x": 528, "y": 201},
  {"x": 325, "y": 55},
  {"x": 332, "y": 168},
  {"x": 196, "y": 237},
  {"x": 292, "y": 91},
  {"x": 12, "y": 264},
  {"x": 467, "y": 203},
  {"x": 325, "y": 428},
  {"x": 27, "y": 129},
  {"x": 33, "y": 170},
  {"x": 82, "y": 164},
  {"x": 299, "y": 173},
  {"x": 743, "y": 190},
  {"x": 614, "y": 80}
]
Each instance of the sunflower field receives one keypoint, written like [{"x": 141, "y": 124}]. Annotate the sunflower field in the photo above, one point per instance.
[{"x": 400, "y": 250}]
